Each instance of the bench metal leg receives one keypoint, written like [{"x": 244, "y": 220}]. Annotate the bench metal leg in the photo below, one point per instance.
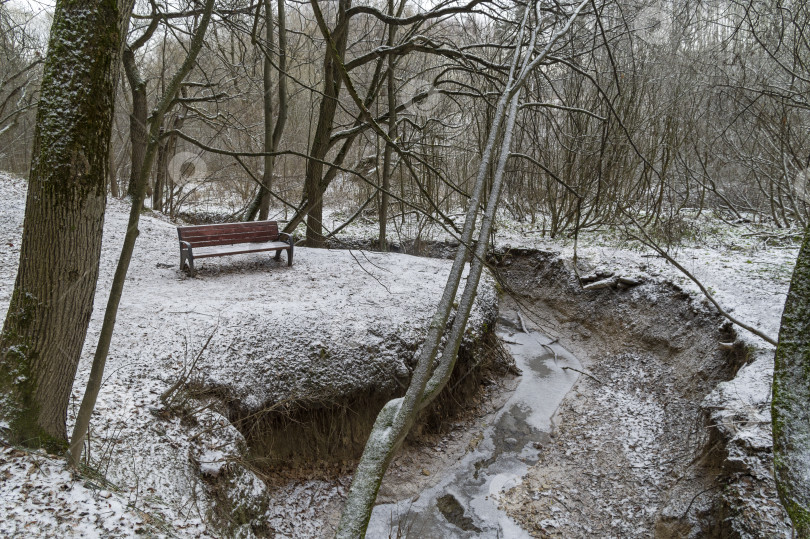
[
  {"x": 187, "y": 261},
  {"x": 289, "y": 255},
  {"x": 186, "y": 257}
]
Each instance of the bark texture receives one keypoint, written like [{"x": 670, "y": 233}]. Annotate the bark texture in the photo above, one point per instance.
[
  {"x": 137, "y": 120},
  {"x": 790, "y": 406},
  {"x": 53, "y": 295}
]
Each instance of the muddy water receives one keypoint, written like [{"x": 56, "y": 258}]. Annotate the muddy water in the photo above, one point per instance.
[{"x": 464, "y": 502}]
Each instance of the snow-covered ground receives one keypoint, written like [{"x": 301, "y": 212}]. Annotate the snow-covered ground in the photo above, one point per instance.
[
  {"x": 334, "y": 323},
  {"x": 746, "y": 267},
  {"x": 748, "y": 270},
  {"x": 149, "y": 470}
]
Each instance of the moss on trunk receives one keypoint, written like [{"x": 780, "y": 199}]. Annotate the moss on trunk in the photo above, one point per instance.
[
  {"x": 53, "y": 295},
  {"x": 790, "y": 406}
]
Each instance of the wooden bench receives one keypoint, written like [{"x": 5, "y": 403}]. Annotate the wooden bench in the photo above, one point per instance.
[{"x": 204, "y": 241}]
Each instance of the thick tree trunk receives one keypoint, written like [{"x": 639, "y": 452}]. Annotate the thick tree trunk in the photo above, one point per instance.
[
  {"x": 790, "y": 407},
  {"x": 53, "y": 295}
]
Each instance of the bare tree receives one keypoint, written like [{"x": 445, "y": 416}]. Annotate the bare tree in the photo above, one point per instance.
[{"x": 20, "y": 71}]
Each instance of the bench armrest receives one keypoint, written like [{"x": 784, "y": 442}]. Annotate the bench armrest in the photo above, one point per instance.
[
  {"x": 283, "y": 236},
  {"x": 185, "y": 244}
]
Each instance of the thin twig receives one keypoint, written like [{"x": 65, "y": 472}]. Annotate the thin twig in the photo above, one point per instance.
[
  {"x": 164, "y": 397},
  {"x": 589, "y": 375}
]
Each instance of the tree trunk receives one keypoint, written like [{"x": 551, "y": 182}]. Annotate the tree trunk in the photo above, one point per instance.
[
  {"x": 272, "y": 134},
  {"x": 791, "y": 396},
  {"x": 53, "y": 295},
  {"x": 161, "y": 173},
  {"x": 113, "y": 174},
  {"x": 397, "y": 416},
  {"x": 267, "y": 81},
  {"x": 392, "y": 130},
  {"x": 427, "y": 379},
  {"x": 166, "y": 151},
  {"x": 137, "y": 120},
  {"x": 320, "y": 141}
]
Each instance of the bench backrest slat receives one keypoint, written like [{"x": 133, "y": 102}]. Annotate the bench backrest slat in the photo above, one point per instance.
[{"x": 229, "y": 233}]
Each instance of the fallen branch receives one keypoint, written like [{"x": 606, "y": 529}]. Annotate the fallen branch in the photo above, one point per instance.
[
  {"x": 522, "y": 323},
  {"x": 646, "y": 240},
  {"x": 589, "y": 375},
  {"x": 168, "y": 396},
  {"x": 604, "y": 283}
]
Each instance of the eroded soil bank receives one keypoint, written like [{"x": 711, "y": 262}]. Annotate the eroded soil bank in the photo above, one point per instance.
[
  {"x": 632, "y": 453},
  {"x": 631, "y": 450}
]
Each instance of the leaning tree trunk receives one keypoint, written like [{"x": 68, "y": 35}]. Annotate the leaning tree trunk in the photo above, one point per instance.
[
  {"x": 53, "y": 295},
  {"x": 790, "y": 406},
  {"x": 397, "y": 417},
  {"x": 124, "y": 259}
]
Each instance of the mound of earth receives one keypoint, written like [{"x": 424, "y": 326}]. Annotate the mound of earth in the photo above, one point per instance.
[{"x": 337, "y": 329}]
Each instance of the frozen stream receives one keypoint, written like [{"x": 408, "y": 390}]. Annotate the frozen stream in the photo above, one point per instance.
[{"x": 464, "y": 502}]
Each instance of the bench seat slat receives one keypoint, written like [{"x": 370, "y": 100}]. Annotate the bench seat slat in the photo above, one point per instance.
[
  {"x": 204, "y": 233},
  {"x": 230, "y": 239},
  {"x": 264, "y": 230},
  {"x": 246, "y": 224},
  {"x": 228, "y": 228},
  {"x": 223, "y": 250}
]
